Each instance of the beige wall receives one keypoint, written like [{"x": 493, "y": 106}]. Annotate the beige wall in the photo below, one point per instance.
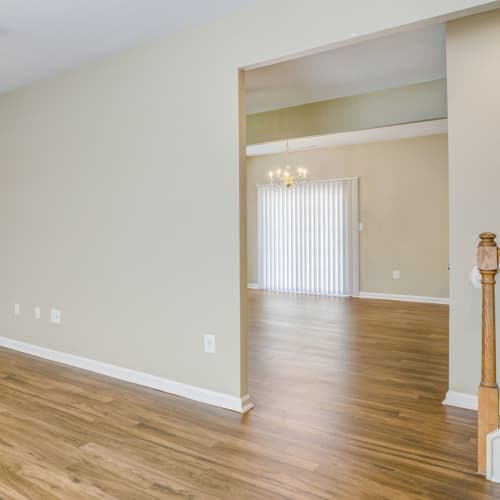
[
  {"x": 403, "y": 197},
  {"x": 411, "y": 103},
  {"x": 473, "y": 53},
  {"x": 119, "y": 189}
]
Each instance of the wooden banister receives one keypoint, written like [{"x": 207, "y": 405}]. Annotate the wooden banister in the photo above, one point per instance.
[{"x": 487, "y": 418}]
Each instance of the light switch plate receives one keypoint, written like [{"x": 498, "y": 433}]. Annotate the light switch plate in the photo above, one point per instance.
[
  {"x": 17, "y": 309},
  {"x": 37, "y": 312}
]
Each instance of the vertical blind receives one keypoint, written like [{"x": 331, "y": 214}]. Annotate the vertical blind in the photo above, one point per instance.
[{"x": 308, "y": 237}]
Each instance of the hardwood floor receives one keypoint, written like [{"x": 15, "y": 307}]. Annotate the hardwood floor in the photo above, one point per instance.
[{"x": 348, "y": 405}]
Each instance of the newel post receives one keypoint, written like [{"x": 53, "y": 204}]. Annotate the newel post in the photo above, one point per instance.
[{"x": 487, "y": 418}]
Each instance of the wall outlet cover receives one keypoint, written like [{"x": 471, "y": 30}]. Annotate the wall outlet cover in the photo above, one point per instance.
[
  {"x": 396, "y": 275},
  {"x": 209, "y": 341},
  {"x": 17, "y": 309},
  {"x": 37, "y": 312},
  {"x": 55, "y": 316}
]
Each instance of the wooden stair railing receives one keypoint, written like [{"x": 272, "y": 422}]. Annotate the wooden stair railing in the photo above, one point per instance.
[{"x": 487, "y": 418}]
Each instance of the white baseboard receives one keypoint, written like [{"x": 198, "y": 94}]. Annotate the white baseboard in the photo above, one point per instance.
[
  {"x": 254, "y": 286},
  {"x": 245, "y": 404},
  {"x": 461, "y": 400},
  {"x": 404, "y": 298},
  {"x": 234, "y": 403}
]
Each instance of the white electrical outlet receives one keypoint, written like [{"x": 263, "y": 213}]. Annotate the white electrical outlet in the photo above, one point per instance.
[
  {"x": 209, "y": 343},
  {"x": 37, "y": 312},
  {"x": 360, "y": 226},
  {"x": 17, "y": 309},
  {"x": 395, "y": 275},
  {"x": 55, "y": 316}
]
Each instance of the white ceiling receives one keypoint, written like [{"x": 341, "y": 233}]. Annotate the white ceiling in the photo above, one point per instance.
[
  {"x": 391, "y": 61},
  {"x": 392, "y": 132},
  {"x": 39, "y": 38}
]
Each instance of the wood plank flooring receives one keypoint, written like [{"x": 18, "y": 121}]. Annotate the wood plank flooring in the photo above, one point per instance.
[{"x": 348, "y": 406}]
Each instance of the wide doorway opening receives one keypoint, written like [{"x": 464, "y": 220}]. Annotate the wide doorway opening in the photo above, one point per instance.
[{"x": 347, "y": 229}]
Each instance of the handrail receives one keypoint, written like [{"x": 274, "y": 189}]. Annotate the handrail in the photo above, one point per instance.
[{"x": 487, "y": 418}]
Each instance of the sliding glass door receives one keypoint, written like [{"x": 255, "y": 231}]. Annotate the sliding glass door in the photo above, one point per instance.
[{"x": 308, "y": 237}]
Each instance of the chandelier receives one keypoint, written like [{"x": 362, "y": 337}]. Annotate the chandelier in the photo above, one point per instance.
[{"x": 285, "y": 177}]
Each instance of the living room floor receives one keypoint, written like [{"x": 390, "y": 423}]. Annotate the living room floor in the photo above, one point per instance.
[{"x": 348, "y": 405}]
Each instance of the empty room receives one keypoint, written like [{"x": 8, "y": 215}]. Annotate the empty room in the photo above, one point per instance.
[{"x": 248, "y": 249}]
